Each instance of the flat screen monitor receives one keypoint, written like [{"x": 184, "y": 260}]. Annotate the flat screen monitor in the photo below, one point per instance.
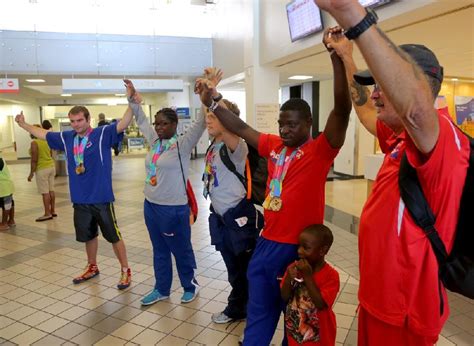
[
  {"x": 304, "y": 18},
  {"x": 373, "y": 3}
]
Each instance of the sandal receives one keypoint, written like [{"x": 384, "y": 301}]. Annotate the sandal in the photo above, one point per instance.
[{"x": 44, "y": 218}]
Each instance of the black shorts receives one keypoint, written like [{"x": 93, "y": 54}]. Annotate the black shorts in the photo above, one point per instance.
[{"x": 88, "y": 218}]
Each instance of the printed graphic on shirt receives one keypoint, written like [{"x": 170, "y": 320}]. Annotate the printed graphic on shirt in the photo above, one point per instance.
[
  {"x": 301, "y": 317},
  {"x": 274, "y": 155}
]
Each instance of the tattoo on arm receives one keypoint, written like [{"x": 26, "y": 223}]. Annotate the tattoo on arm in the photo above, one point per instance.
[{"x": 359, "y": 93}]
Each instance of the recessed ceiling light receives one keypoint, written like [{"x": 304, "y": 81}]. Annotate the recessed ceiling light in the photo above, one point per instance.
[
  {"x": 297, "y": 77},
  {"x": 240, "y": 82},
  {"x": 35, "y": 80},
  {"x": 119, "y": 94},
  {"x": 454, "y": 79},
  {"x": 66, "y": 95}
]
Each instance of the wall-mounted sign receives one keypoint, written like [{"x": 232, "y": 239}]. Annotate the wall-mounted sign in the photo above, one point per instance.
[
  {"x": 465, "y": 113},
  {"x": 136, "y": 143},
  {"x": 266, "y": 117},
  {"x": 183, "y": 112},
  {"x": 9, "y": 85}
]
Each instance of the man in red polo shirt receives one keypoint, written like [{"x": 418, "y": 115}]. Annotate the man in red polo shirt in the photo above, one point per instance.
[
  {"x": 297, "y": 170},
  {"x": 401, "y": 299}
]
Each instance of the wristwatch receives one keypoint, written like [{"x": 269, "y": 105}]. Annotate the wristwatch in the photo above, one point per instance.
[
  {"x": 369, "y": 19},
  {"x": 213, "y": 105},
  {"x": 217, "y": 98}
]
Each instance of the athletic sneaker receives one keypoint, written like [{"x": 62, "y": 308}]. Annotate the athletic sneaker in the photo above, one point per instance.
[
  {"x": 221, "y": 318},
  {"x": 188, "y": 297},
  {"x": 91, "y": 271},
  {"x": 125, "y": 279},
  {"x": 153, "y": 297}
]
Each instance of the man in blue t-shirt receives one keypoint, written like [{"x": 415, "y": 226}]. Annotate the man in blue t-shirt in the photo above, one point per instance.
[{"x": 89, "y": 163}]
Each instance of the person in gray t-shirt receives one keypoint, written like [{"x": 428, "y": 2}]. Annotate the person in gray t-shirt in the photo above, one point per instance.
[
  {"x": 234, "y": 223},
  {"x": 166, "y": 210}
]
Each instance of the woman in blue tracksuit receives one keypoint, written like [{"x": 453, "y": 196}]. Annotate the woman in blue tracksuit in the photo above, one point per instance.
[
  {"x": 234, "y": 223},
  {"x": 167, "y": 214}
]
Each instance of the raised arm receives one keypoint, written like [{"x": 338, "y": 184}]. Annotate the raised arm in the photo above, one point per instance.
[
  {"x": 38, "y": 132},
  {"x": 360, "y": 94},
  {"x": 234, "y": 124},
  {"x": 338, "y": 120},
  {"x": 401, "y": 80},
  {"x": 127, "y": 116}
]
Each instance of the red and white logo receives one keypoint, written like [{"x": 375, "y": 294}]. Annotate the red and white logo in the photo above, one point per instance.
[{"x": 9, "y": 85}]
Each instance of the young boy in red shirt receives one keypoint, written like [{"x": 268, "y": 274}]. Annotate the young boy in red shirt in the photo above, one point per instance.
[{"x": 309, "y": 287}]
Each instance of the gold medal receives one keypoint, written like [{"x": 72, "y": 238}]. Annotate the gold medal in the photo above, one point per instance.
[
  {"x": 80, "y": 169},
  {"x": 275, "y": 204},
  {"x": 153, "y": 180}
]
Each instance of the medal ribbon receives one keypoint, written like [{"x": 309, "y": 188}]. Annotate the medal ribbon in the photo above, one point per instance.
[
  {"x": 158, "y": 149},
  {"x": 209, "y": 176},
  {"x": 79, "y": 147},
  {"x": 282, "y": 165}
]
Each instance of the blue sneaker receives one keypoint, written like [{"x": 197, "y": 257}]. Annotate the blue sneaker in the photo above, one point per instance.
[
  {"x": 188, "y": 297},
  {"x": 153, "y": 297}
]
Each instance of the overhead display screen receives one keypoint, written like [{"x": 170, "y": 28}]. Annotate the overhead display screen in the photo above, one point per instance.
[{"x": 304, "y": 18}]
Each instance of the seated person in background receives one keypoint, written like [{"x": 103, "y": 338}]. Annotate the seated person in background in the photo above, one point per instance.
[
  {"x": 309, "y": 288},
  {"x": 6, "y": 196},
  {"x": 42, "y": 164},
  {"x": 234, "y": 222}
]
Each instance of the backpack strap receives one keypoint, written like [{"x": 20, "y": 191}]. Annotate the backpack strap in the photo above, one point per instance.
[
  {"x": 224, "y": 154},
  {"x": 416, "y": 204},
  {"x": 415, "y": 201}
]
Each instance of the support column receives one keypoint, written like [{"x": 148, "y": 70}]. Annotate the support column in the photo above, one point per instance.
[{"x": 261, "y": 82}]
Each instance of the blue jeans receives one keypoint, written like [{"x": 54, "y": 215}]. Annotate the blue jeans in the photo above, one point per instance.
[{"x": 170, "y": 233}]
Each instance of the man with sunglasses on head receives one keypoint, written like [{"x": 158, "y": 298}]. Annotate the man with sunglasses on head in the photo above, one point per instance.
[{"x": 402, "y": 301}]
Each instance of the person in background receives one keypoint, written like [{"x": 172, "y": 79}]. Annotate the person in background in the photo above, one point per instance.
[
  {"x": 402, "y": 300},
  {"x": 6, "y": 196},
  {"x": 102, "y": 120},
  {"x": 42, "y": 165},
  {"x": 117, "y": 146},
  {"x": 234, "y": 222},
  {"x": 309, "y": 288},
  {"x": 89, "y": 160}
]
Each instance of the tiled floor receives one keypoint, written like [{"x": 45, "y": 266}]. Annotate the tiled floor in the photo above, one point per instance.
[{"x": 39, "y": 304}]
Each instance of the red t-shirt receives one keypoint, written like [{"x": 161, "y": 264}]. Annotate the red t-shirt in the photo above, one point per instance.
[
  {"x": 398, "y": 268},
  {"x": 304, "y": 323},
  {"x": 303, "y": 187}
]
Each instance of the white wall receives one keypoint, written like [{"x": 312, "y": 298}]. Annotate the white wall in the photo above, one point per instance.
[
  {"x": 326, "y": 101},
  {"x": 276, "y": 45},
  {"x": 232, "y": 24},
  {"x": 22, "y": 138}
]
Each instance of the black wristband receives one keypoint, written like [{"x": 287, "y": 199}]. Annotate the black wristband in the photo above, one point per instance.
[
  {"x": 357, "y": 30},
  {"x": 218, "y": 98},
  {"x": 213, "y": 106}
]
